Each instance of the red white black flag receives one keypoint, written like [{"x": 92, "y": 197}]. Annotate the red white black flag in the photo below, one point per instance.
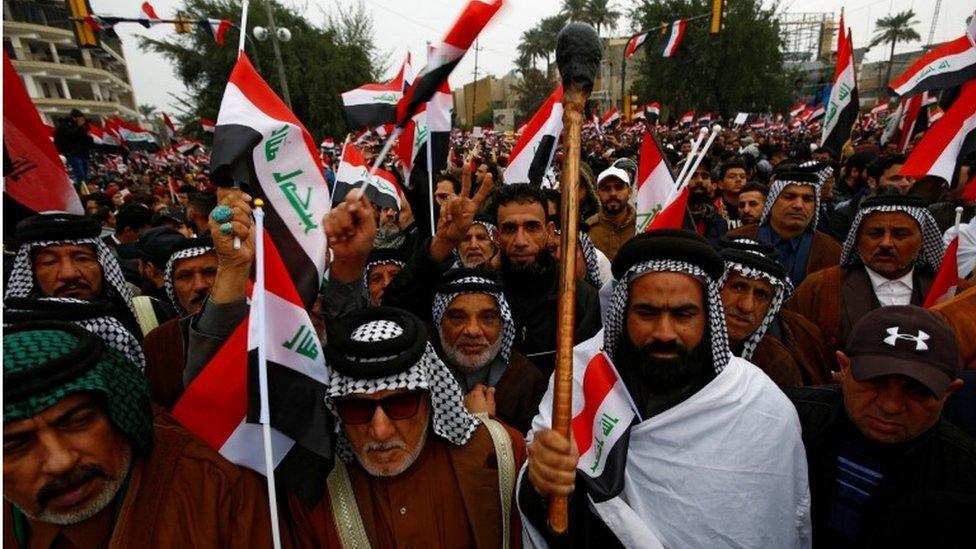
[
  {"x": 260, "y": 145},
  {"x": 216, "y": 29},
  {"x": 535, "y": 148},
  {"x": 945, "y": 143},
  {"x": 33, "y": 174},
  {"x": 476, "y": 14},
  {"x": 949, "y": 65},
  {"x": 353, "y": 169},
  {"x": 171, "y": 132},
  {"x": 842, "y": 106},
  {"x": 676, "y": 33},
  {"x": 634, "y": 43},
  {"x": 654, "y": 182},
  {"x": 610, "y": 118},
  {"x": 687, "y": 118},
  {"x": 147, "y": 15},
  {"x": 208, "y": 125},
  {"x": 374, "y": 105}
]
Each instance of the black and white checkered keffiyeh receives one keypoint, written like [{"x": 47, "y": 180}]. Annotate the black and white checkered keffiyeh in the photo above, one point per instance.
[
  {"x": 108, "y": 328},
  {"x": 782, "y": 291},
  {"x": 617, "y": 308},
  {"x": 443, "y": 299},
  {"x": 371, "y": 264},
  {"x": 778, "y": 187},
  {"x": 168, "y": 273},
  {"x": 490, "y": 227},
  {"x": 451, "y": 421},
  {"x": 589, "y": 257},
  {"x": 823, "y": 169},
  {"x": 933, "y": 248},
  {"x": 21, "y": 281}
]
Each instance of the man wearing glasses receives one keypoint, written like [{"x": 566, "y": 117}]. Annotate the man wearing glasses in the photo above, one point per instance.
[{"x": 416, "y": 468}]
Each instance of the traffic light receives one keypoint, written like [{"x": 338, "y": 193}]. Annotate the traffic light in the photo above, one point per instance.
[
  {"x": 78, "y": 12},
  {"x": 717, "y": 23},
  {"x": 182, "y": 26}
]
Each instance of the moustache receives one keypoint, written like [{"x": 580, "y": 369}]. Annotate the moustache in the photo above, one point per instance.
[
  {"x": 660, "y": 347},
  {"x": 380, "y": 446},
  {"x": 73, "y": 285},
  {"x": 69, "y": 482},
  {"x": 748, "y": 317},
  {"x": 199, "y": 297}
]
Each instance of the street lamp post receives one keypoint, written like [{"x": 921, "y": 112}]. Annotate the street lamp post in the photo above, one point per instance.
[{"x": 276, "y": 34}]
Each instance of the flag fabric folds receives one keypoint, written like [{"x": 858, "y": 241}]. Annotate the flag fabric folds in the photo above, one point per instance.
[
  {"x": 634, "y": 43},
  {"x": 208, "y": 125},
  {"x": 216, "y": 29},
  {"x": 261, "y": 146},
  {"x": 842, "y": 106},
  {"x": 797, "y": 109},
  {"x": 536, "y": 147},
  {"x": 944, "y": 67},
  {"x": 610, "y": 118},
  {"x": 374, "y": 105},
  {"x": 676, "y": 33},
  {"x": 945, "y": 143},
  {"x": 687, "y": 118},
  {"x": 947, "y": 279},
  {"x": 654, "y": 182},
  {"x": 148, "y": 16},
  {"x": 33, "y": 174},
  {"x": 171, "y": 132},
  {"x": 476, "y": 14},
  {"x": 384, "y": 191}
]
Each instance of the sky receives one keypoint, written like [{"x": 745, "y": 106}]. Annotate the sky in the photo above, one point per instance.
[{"x": 400, "y": 25}]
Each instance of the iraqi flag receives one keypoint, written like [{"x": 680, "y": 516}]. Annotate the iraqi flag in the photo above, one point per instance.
[
  {"x": 949, "y": 65},
  {"x": 215, "y": 28},
  {"x": 675, "y": 34},
  {"x": 654, "y": 182},
  {"x": 260, "y": 145},
  {"x": 135, "y": 137},
  {"x": 687, "y": 118},
  {"x": 880, "y": 107},
  {"x": 909, "y": 121},
  {"x": 208, "y": 125},
  {"x": 946, "y": 143},
  {"x": 634, "y": 43},
  {"x": 601, "y": 421},
  {"x": 535, "y": 148},
  {"x": 96, "y": 133},
  {"x": 353, "y": 169},
  {"x": 842, "y": 106},
  {"x": 171, "y": 132},
  {"x": 33, "y": 173},
  {"x": 447, "y": 55},
  {"x": 147, "y": 15},
  {"x": 374, "y": 105},
  {"x": 653, "y": 109},
  {"x": 101, "y": 23},
  {"x": 610, "y": 118},
  {"x": 439, "y": 126},
  {"x": 798, "y": 109},
  {"x": 412, "y": 143},
  {"x": 947, "y": 279}
]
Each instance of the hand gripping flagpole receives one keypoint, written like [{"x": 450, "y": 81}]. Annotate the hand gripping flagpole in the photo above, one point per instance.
[
  {"x": 240, "y": 52},
  {"x": 258, "y": 301},
  {"x": 578, "y": 52}
]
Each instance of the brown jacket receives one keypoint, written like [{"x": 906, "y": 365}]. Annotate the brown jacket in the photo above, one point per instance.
[
  {"x": 795, "y": 355},
  {"x": 608, "y": 236},
  {"x": 471, "y": 476},
  {"x": 776, "y": 361},
  {"x": 165, "y": 350},
  {"x": 835, "y": 299},
  {"x": 960, "y": 313},
  {"x": 518, "y": 393},
  {"x": 824, "y": 252},
  {"x": 183, "y": 494}
]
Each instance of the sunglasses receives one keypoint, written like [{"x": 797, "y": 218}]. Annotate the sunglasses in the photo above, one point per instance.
[{"x": 359, "y": 411}]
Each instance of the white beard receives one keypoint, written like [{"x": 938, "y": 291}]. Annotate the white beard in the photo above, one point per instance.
[{"x": 467, "y": 364}]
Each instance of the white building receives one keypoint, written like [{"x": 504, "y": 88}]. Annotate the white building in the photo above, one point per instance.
[{"x": 60, "y": 76}]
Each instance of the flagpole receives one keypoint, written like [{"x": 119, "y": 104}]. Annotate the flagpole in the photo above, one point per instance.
[
  {"x": 240, "y": 52},
  {"x": 258, "y": 301},
  {"x": 688, "y": 159},
  {"x": 430, "y": 172},
  {"x": 379, "y": 160},
  {"x": 691, "y": 172}
]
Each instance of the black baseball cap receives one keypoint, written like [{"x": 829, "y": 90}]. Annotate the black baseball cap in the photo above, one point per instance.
[
  {"x": 905, "y": 340},
  {"x": 154, "y": 245}
]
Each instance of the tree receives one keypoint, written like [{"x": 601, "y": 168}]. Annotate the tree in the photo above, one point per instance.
[
  {"x": 740, "y": 69},
  {"x": 575, "y": 10},
  {"x": 147, "y": 110},
  {"x": 602, "y": 14},
  {"x": 532, "y": 90},
  {"x": 341, "y": 50},
  {"x": 893, "y": 29}
]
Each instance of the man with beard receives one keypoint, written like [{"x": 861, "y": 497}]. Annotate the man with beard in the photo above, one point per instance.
[
  {"x": 154, "y": 246},
  {"x": 478, "y": 248},
  {"x": 708, "y": 222},
  {"x": 61, "y": 255},
  {"x": 188, "y": 277},
  {"x": 752, "y": 201},
  {"x": 890, "y": 257},
  {"x": 789, "y": 223},
  {"x": 476, "y": 331},
  {"x": 85, "y": 464},
  {"x": 712, "y": 434},
  {"x": 783, "y": 344},
  {"x": 615, "y": 223},
  {"x": 382, "y": 268},
  {"x": 414, "y": 467}
]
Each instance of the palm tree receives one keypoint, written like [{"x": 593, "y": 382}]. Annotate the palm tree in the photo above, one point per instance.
[
  {"x": 147, "y": 110},
  {"x": 548, "y": 30},
  {"x": 575, "y": 10},
  {"x": 602, "y": 14},
  {"x": 529, "y": 47},
  {"x": 895, "y": 28}
]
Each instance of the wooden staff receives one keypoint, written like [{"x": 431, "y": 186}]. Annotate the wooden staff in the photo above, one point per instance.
[{"x": 578, "y": 57}]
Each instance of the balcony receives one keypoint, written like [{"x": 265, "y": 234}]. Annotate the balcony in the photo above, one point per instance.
[{"x": 70, "y": 71}]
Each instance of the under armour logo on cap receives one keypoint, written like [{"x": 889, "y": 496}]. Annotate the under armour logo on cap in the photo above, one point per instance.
[{"x": 920, "y": 339}]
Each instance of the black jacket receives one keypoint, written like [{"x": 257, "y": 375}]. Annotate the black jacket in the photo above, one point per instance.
[
  {"x": 927, "y": 498},
  {"x": 72, "y": 139}
]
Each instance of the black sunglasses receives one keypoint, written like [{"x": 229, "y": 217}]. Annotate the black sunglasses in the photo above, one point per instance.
[{"x": 359, "y": 411}]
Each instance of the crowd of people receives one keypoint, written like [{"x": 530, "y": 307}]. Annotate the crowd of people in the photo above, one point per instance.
[{"x": 788, "y": 387}]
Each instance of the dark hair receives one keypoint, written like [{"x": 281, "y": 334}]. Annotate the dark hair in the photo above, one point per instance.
[
  {"x": 754, "y": 186},
  {"x": 881, "y": 164},
  {"x": 521, "y": 193},
  {"x": 132, "y": 216},
  {"x": 100, "y": 214},
  {"x": 448, "y": 176},
  {"x": 187, "y": 188},
  {"x": 726, "y": 166},
  {"x": 202, "y": 202},
  {"x": 101, "y": 199},
  {"x": 829, "y": 150}
]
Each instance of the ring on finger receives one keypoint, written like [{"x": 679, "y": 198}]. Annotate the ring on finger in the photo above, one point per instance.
[
  {"x": 222, "y": 213},
  {"x": 226, "y": 228}
]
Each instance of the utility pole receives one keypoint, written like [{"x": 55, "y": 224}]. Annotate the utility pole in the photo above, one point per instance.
[
  {"x": 474, "y": 93},
  {"x": 277, "y": 51},
  {"x": 935, "y": 19}
]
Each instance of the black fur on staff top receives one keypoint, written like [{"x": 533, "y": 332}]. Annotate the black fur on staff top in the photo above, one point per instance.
[
  {"x": 578, "y": 53},
  {"x": 669, "y": 244},
  {"x": 56, "y": 226},
  {"x": 24, "y": 309},
  {"x": 750, "y": 253},
  {"x": 449, "y": 283},
  {"x": 375, "y": 343}
]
